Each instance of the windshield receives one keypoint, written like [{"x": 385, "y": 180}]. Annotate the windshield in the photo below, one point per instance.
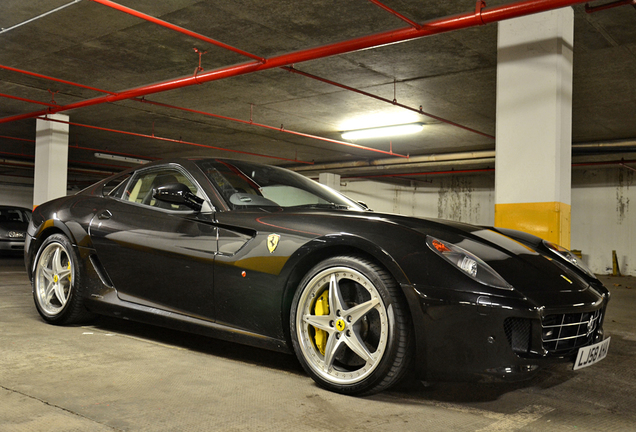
[
  {"x": 14, "y": 215},
  {"x": 245, "y": 184}
]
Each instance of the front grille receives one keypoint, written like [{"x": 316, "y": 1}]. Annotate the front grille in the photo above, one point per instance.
[
  {"x": 565, "y": 332},
  {"x": 518, "y": 334}
]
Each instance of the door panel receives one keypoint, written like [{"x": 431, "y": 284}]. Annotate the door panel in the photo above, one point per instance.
[{"x": 156, "y": 253}]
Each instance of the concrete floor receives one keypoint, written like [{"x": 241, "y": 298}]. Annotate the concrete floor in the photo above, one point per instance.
[{"x": 123, "y": 376}]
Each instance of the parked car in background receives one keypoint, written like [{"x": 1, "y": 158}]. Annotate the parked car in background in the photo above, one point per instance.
[{"x": 13, "y": 225}]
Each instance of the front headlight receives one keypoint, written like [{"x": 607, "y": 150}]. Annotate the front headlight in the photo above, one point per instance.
[
  {"x": 569, "y": 257},
  {"x": 467, "y": 262}
]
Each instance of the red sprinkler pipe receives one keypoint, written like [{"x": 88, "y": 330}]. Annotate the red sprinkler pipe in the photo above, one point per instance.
[
  {"x": 17, "y": 139},
  {"x": 176, "y": 28},
  {"x": 27, "y": 100},
  {"x": 172, "y": 140},
  {"x": 456, "y": 22},
  {"x": 628, "y": 167},
  {"x": 55, "y": 79},
  {"x": 281, "y": 129},
  {"x": 82, "y": 148},
  {"x": 70, "y": 160},
  {"x": 362, "y": 92},
  {"x": 396, "y": 13},
  {"x": 591, "y": 9}
]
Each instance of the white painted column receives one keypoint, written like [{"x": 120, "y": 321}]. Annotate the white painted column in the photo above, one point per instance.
[
  {"x": 51, "y": 159},
  {"x": 330, "y": 179},
  {"x": 534, "y": 124}
]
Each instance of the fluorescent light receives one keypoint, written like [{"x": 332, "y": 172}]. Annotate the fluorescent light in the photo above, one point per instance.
[
  {"x": 121, "y": 158},
  {"x": 385, "y": 131}
]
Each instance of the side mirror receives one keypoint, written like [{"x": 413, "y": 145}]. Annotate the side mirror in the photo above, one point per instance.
[
  {"x": 364, "y": 205},
  {"x": 178, "y": 193}
]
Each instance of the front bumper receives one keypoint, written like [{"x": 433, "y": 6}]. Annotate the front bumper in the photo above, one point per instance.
[
  {"x": 11, "y": 245},
  {"x": 469, "y": 338}
]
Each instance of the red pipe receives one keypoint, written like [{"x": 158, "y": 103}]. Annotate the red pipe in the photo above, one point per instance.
[
  {"x": 628, "y": 167},
  {"x": 173, "y": 140},
  {"x": 81, "y": 148},
  {"x": 456, "y": 22},
  {"x": 177, "y": 28},
  {"x": 55, "y": 79},
  {"x": 70, "y": 160},
  {"x": 27, "y": 100},
  {"x": 17, "y": 139},
  {"x": 281, "y": 129},
  {"x": 591, "y": 9},
  {"x": 204, "y": 38},
  {"x": 362, "y": 92},
  {"x": 397, "y": 14}
]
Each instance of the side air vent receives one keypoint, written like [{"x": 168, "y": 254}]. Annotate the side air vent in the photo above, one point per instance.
[
  {"x": 103, "y": 276},
  {"x": 518, "y": 334}
]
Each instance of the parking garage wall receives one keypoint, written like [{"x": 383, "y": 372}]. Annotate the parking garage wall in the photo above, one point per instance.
[
  {"x": 16, "y": 195},
  {"x": 603, "y": 217}
]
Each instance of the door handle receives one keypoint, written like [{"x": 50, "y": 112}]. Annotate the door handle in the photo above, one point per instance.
[{"x": 106, "y": 214}]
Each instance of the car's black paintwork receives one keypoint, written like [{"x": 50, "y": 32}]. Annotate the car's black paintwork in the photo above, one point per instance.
[{"x": 212, "y": 273}]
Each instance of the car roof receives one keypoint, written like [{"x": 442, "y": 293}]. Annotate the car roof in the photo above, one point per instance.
[{"x": 8, "y": 207}]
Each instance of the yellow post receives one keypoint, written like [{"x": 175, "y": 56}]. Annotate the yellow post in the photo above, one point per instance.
[{"x": 548, "y": 220}]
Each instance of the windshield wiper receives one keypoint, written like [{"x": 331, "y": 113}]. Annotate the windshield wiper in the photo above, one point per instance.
[{"x": 324, "y": 206}]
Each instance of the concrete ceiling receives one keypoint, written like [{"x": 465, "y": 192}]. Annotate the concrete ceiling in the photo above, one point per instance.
[{"x": 450, "y": 75}]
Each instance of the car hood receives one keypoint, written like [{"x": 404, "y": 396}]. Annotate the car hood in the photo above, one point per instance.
[{"x": 533, "y": 273}]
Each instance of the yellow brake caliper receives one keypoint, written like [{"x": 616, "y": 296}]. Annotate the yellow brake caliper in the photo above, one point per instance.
[{"x": 321, "y": 308}]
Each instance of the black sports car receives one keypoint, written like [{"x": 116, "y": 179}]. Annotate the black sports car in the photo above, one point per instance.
[{"x": 261, "y": 255}]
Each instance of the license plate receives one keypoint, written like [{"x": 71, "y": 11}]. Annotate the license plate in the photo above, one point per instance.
[{"x": 589, "y": 355}]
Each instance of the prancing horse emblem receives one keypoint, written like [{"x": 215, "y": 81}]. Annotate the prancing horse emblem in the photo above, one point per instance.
[{"x": 272, "y": 242}]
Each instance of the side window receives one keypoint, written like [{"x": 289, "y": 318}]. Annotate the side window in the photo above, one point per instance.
[
  {"x": 142, "y": 187},
  {"x": 115, "y": 187}
]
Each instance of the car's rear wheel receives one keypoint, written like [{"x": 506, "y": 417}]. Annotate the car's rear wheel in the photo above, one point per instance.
[
  {"x": 350, "y": 326},
  {"x": 57, "y": 282}
]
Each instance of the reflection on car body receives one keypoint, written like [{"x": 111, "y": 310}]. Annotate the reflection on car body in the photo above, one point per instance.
[{"x": 260, "y": 255}]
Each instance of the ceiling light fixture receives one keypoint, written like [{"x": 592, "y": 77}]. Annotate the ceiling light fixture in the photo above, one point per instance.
[
  {"x": 121, "y": 158},
  {"x": 4, "y": 30},
  {"x": 385, "y": 131}
]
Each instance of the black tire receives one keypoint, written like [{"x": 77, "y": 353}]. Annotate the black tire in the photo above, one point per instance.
[
  {"x": 360, "y": 341},
  {"x": 57, "y": 283}
]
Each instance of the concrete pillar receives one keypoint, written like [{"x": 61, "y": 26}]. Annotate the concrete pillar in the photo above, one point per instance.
[
  {"x": 51, "y": 159},
  {"x": 534, "y": 124},
  {"x": 330, "y": 179}
]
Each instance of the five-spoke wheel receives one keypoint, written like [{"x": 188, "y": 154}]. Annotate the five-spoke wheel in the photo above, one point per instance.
[
  {"x": 55, "y": 282},
  {"x": 350, "y": 326}
]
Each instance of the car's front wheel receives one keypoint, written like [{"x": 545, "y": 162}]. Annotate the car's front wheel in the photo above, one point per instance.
[
  {"x": 350, "y": 326},
  {"x": 57, "y": 282}
]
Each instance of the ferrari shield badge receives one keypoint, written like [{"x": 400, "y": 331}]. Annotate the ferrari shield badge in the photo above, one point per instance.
[{"x": 272, "y": 242}]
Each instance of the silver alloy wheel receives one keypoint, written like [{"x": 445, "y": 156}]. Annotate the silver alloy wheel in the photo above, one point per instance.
[
  {"x": 53, "y": 279},
  {"x": 356, "y": 325}
]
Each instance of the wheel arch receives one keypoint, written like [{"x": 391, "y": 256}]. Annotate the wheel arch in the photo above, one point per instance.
[
  {"x": 319, "y": 249},
  {"x": 44, "y": 231}
]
